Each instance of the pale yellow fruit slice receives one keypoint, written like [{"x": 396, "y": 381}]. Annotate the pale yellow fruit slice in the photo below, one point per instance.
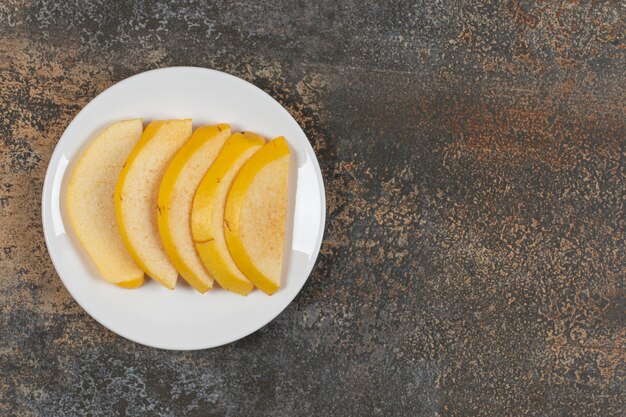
[
  {"x": 178, "y": 186},
  {"x": 207, "y": 215},
  {"x": 90, "y": 206},
  {"x": 137, "y": 192},
  {"x": 256, "y": 209}
]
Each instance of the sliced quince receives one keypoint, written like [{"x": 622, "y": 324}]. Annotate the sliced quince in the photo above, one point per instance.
[
  {"x": 256, "y": 210},
  {"x": 90, "y": 206},
  {"x": 178, "y": 187},
  {"x": 137, "y": 193}
]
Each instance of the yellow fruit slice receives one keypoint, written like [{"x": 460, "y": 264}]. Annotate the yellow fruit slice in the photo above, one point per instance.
[
  {"x": 178, "y": 186},
  {"x": 90, "y": 202},
  {"x": 137, "y": 192},
  {"x": 256, "y": 209},
  {"x": 207, "y": 215}
]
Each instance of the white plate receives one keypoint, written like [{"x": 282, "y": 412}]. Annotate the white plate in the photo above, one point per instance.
[{"x": 184, "y": 319}]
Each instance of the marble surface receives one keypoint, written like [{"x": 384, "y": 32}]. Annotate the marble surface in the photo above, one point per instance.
[{"x": 474, "y": 257}]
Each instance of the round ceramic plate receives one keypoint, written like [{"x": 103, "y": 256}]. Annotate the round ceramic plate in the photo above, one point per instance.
[{"x": 184, "y": 319}]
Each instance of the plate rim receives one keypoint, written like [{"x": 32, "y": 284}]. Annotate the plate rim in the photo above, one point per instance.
[{"x": 47, "y": 192}]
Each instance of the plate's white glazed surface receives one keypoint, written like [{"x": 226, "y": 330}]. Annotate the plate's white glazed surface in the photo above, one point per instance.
[{"x": 184, "y": 319}]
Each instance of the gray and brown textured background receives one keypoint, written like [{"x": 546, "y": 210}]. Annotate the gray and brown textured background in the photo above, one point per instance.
[{"x": 475, "y": 164}]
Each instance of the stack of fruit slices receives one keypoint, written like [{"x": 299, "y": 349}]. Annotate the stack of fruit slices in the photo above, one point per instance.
[{"x": 163, "y": 202}]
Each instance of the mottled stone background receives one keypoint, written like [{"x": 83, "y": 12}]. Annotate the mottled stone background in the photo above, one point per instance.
[{"x": 475, "y": 166}]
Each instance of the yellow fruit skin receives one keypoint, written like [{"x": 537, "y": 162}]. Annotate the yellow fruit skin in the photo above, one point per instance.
[
  {"x": 132, "y": 284},
  {"x": 268, "y": 153},
  {"x": 197, "y": 140},
  {"x": 203, "y": 206},
  {"x": 148, "y": 134}
]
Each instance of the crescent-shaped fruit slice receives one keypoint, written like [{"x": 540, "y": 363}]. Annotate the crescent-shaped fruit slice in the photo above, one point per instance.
[
  {"x": 137, "y": 192},
  {"x": 178, "y": 186},
  {"x": 207, "y": 215},
  {"x": 256, "y": 210},
  {"x": 90, "y": 202}
]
